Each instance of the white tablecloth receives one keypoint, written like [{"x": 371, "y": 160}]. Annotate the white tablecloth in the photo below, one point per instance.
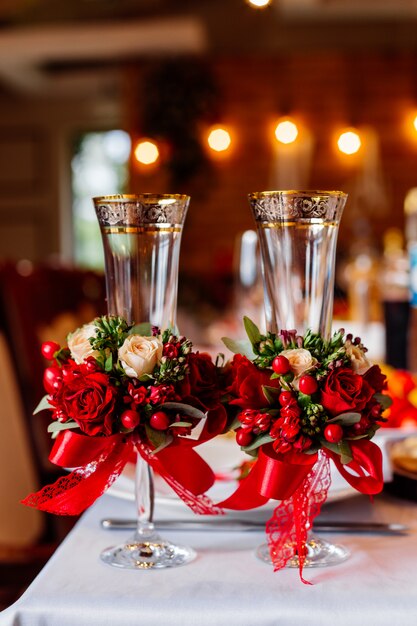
[{"x": 226, "y": 584}]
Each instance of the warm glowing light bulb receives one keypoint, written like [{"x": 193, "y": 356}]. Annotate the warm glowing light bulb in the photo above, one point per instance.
[
  {"x": 286, "y": 131},
  {"x": 219, "y": 139},
  {"x": 415, "y": 123},
  {"x": 146, "y": 152},
  {"x": 349, "y": 142},
  {"x": 259, "y": 4}
]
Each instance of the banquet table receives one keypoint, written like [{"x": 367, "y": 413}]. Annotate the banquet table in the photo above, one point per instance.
[{"x": 227, "y": 584}]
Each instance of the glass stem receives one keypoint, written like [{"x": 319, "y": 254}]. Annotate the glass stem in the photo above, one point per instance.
[{"x": 144, "y": 496}]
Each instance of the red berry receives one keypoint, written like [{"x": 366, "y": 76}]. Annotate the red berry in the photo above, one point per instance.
[
  {"x": 159, "y": 420},
  {"x": 281, "y": 365},
  {"x": 49, "y": 348},
  {"x": 130, "y": 419},
  {"x": 307, "y": 384},
  {"x": 285, "y": 397},
  {"x": 52, "y": 379},
  {"x": 333, "y": 433},
  {"x": 244, "y": 437},
  {"x": 376, "y": 410}
]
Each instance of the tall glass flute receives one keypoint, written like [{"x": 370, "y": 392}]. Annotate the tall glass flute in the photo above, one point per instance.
[
  {"x": 298, "y": 234},
  {"x": 141, "y": 237}
]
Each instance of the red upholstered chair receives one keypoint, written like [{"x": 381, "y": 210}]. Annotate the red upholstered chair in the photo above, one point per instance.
[
  {"x": 40, "y": 303},
  {"x": 37, "y": 303}
]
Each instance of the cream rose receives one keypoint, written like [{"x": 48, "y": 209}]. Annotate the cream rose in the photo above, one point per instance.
[
  {"x": 138, "y": 355},
  {"x": 79, "y": 343},
  {"x": 300, "y": 360},
  {"x": 359, "y": 360}
]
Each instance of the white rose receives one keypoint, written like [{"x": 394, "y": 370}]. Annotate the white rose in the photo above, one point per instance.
[
  {"x": 138, "y": 355},
  {"x": 79, "y": 344},
  {"x": 300, "y": 360},
  {"x": 360, "y": 362}
]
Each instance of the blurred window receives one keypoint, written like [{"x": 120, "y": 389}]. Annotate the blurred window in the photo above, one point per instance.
[{"x": 99, "y": 168}]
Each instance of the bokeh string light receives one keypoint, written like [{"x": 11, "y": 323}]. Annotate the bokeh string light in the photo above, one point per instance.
[
  {"x": 258, "y": 4},
  {"x": 146, "y": 152},
  {"x": 219, "y": 139},
  {"x": 349, "y": 141},
  {"x": 286, "y": 131}
]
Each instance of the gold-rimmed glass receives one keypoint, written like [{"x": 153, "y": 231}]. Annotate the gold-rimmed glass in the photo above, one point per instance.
[{"x": 141, "y": 237}]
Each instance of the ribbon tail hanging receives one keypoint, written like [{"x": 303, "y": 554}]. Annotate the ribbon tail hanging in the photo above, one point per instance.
[
  {"x": 189, "y": 485},
  {"x": 287, "y": 530}
]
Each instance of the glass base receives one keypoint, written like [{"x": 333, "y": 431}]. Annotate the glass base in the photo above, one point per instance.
[
  {"x": 147, "y": 553},
  {"x": 320, "y": 553}
]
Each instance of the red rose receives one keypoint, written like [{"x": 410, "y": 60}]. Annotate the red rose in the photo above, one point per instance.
[
  {"x": 343, "y": 391},
  {"x": 376, "y": 378},
  {"x": 247, "y": 383},
  {"x": 201, "y": 381},
  {"x": 89, "y": 399}
]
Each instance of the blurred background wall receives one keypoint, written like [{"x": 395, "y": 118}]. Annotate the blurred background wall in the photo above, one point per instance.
[{"x": 168, "y": 70}]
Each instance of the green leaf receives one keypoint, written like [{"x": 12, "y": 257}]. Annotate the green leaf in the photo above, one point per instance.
[
  {"x": 384, "y": 400},
  {"x": 55, "y": 427},
  {"x": 345, "y": 452},
  {"x": 342, "y": 449},
  {"x": 252, "y": 331},
  {"x": 180, "y": 424},
  {"x": 304, "y": 400},
  {"x": 330, "y": 446},
  {"x": 186, "y": 409},
  {"x": 347, "y": 419},
  {"x": 259, "y": 441},
  {"x": 156, "y": 437},
  {"x": 365, "y": 436},
  {"x": 108, "y": 365},
  {"x": 270, "y": 393},
  {"x": 240, "y": 346},
  {"x": 43, "y": 405},
  {"x": 144, "y": 329},
  {"x": 144, "y": 378},
  {"x": 168, "y": 440}
]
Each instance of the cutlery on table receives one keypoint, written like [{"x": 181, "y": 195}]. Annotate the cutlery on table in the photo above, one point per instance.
[{"x": 250, "y": 525}]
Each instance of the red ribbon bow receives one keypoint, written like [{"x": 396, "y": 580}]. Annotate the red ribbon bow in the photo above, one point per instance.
[
  {"x": 100, "y": 460},
  {"x": 301, "y": 481}
]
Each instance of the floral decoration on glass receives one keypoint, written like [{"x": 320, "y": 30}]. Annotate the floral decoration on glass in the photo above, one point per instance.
[
  {"x": 294, "y": 403},
  {"x": 116, "y": 389}
]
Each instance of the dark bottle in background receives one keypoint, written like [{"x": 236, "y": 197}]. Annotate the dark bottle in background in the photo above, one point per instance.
[{"x": 394, "y": 290}]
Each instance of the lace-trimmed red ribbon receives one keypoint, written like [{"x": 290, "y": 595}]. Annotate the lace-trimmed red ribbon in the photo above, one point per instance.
[
  {"x": 301, "y": 482},
  {"x": 100, "y": 460}
]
